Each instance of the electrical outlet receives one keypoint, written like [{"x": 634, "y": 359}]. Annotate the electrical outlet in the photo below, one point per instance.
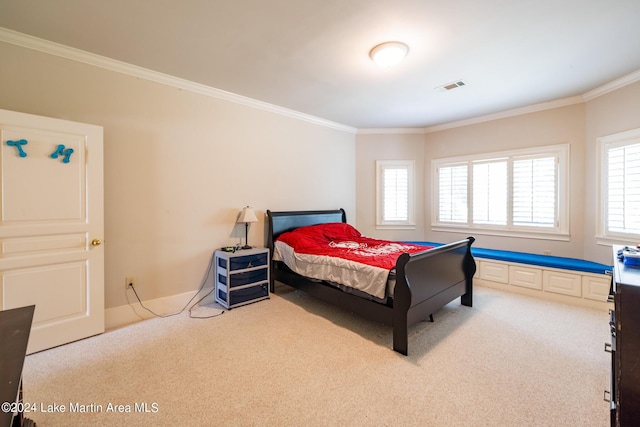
[{"x": 129, "y": 281}]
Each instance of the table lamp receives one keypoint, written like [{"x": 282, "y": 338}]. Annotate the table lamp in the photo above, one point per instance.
[{"x": 247, "y": 215}]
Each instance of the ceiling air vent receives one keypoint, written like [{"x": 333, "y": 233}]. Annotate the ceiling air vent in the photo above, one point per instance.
[{"x": 453, "y": 85}]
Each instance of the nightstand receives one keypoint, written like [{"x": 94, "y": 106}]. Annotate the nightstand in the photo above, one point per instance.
[{"x": 241, "y": 277}]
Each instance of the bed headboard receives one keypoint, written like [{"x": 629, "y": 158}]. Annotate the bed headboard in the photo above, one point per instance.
[{"x": 280, "y": 222}]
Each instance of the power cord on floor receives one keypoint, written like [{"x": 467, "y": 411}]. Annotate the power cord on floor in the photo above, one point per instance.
[{"x": 204, "y": 281}]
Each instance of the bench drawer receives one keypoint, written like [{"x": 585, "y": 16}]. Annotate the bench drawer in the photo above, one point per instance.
[
  {"x": 494, "y": 272},
  {"x": 562, "y": 283},
  {"x": 525, "y": 277}
]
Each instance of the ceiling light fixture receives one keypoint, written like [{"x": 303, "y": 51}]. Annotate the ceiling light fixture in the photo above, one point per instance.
[{"x": 389, "y": 54}]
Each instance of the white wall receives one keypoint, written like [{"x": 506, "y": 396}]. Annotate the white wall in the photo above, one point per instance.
[
  {"x": 612, "y": 113},
  {"x": 579, "y": 125},
  {"x": 370, "y": 148},
  {"x": 549, "y": 127},
  {"x": 179, "y": 166}
]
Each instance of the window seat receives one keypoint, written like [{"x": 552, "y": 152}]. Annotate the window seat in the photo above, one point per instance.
[
  {"x": 542, "y": 260},
  {"x": 572, "y": 280},
  {"x": 549, "y": 261}
]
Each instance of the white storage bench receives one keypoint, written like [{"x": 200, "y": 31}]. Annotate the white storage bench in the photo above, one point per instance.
[{"x": 569, "y": 280}]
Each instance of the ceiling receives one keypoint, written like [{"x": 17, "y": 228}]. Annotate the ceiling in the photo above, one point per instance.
[{"x": 311, "y": 56}]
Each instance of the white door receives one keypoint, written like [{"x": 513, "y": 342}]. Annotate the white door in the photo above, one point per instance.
[{"x": 52, "y": 225}]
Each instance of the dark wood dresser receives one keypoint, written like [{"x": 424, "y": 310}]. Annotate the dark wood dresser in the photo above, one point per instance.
[
  {"x": 625, "y": 344},
  {"x": 15, "y": 326}
]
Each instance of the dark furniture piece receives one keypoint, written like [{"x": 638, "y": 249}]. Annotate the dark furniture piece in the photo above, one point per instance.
[
  {"x": 625, "y": 344},
  {"x": 15, "y": 326},
  {"x": 425, "y": 282}
]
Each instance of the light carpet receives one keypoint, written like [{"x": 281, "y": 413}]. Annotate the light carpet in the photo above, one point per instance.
[{"x": 510, "y": 360}]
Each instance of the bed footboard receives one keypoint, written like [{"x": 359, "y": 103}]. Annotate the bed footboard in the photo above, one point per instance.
[{"x": 426, "y": 282}]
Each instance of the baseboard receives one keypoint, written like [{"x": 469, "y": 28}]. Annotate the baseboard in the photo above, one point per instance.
[{"x": 127, "y": 314}]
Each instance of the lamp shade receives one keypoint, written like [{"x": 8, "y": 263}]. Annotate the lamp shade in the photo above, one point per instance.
[{"x": 247, "y": 215}]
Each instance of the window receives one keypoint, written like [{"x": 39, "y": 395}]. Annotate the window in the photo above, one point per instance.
[
  {"x": 453, "y": 194},
  {"x": 395, "y": 197},
  {"x": 535, "y": 191},
  {"x": 522, "y": 192},
  {"x": 490, "y": 192},
  {"x": 620, "y": 185}
]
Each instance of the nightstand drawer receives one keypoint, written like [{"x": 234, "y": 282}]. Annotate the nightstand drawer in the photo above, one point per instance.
[
  {"x": 237, "y": 297},
  {"x": 245, "y": 278},
  {"x": 243, "y": 262}
]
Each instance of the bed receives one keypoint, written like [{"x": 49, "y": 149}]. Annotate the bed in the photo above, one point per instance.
[{"x": 424, "y": 282}]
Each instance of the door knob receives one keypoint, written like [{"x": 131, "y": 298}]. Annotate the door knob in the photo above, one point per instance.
[{"x": 96, "y": 242}]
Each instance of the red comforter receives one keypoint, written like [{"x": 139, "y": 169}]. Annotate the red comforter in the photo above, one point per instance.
[{"x": 338, "y": 252}]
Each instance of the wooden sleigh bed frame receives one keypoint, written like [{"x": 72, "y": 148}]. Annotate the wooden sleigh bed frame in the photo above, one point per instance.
[{"x": 425, "y": 282}]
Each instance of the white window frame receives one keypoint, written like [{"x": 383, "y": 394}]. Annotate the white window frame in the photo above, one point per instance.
[
  {"x": 560, "y": 230},
  {"x": 381, "y": 222},
  {"x": 604, "y": 235}
]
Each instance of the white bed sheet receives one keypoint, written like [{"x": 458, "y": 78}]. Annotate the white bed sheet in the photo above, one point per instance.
[{"x": 374, "y": 281}]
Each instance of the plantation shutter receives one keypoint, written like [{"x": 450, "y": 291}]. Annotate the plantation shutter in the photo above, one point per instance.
[
  {"x": 490, "y": 190},
  {"x": 453, "y": 192},
  {"x": 396, "y": 194},
  {"x": 623, "y": 204},
  {"x": 534, "y": 192}
]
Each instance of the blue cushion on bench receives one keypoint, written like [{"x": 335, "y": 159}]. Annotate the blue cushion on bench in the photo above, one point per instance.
[{"x": 534, "y": 259}]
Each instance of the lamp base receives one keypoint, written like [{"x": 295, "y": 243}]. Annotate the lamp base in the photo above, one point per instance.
[{"x": 246, "y": 236}]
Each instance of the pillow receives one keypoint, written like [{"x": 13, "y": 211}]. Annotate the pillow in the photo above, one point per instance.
[
  {"x": 319, "y": 234},
  {"x": 338, "y": 231}
]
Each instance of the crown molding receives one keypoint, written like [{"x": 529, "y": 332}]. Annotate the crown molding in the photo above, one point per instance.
[
  {"x": 479, "y": 119},
  {"x": 387, "y": 131},
  {"x": 587, "y": 96},
  {"x": 63, "y": 51},
  {"x": 45, "y": 46},
  {"x": 508, "y": 113},
  {"x": 611, "y": 86}
]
